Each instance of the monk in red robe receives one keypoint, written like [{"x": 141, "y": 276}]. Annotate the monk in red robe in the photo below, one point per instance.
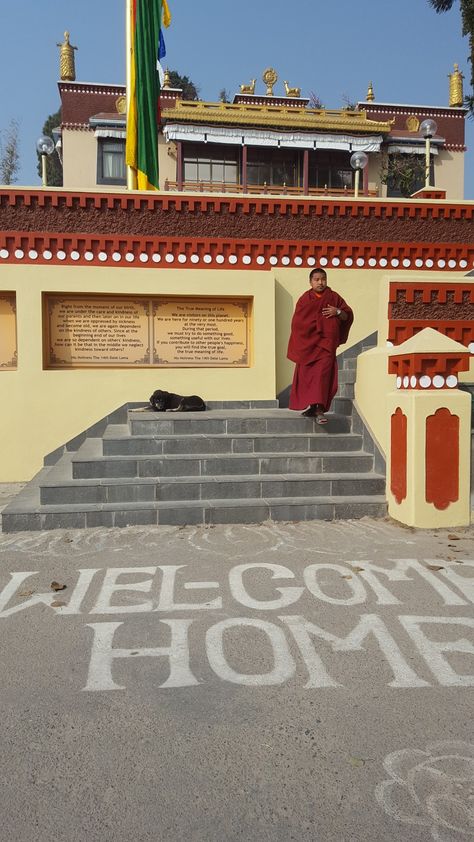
[{"x": 321, "y": 322}]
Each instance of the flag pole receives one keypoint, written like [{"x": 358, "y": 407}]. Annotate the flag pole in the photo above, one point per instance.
[{"x": 131, "y": 173}]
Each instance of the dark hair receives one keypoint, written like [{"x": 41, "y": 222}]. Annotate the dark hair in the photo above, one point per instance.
[{"x": 317, "y": 271}]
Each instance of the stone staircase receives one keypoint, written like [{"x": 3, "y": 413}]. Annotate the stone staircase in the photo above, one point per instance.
[{"x": 238, "y": 462}]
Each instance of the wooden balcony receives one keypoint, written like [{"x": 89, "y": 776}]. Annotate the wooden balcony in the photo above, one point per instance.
[{"x": 268, "y": 189}]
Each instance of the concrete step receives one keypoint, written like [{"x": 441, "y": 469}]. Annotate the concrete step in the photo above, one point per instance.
[
  {"x": 239, "y": 422},
  {"x": 89, "y": 463},
  {"x": 59, "y": 491},
  {"x": 80, "y": 516},
  {"x": 117, "y": 441}
]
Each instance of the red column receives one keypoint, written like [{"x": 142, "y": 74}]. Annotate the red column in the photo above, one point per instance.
[
  {"x": 398, "y": 455},
  {"x": 244, "y": 168},
  {"x": 365, "y": 182},
  {"x": 179, "y": 164},
  {"x": 306, "y": 171}
]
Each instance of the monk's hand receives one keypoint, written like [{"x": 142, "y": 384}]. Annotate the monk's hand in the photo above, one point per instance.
[{"x": 329, "y": 311}]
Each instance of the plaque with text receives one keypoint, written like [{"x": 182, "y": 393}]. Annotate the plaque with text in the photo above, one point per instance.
[
  {"x": 198, "y": 332},
  {"x": 8, "y": 349},
  {"x": 95, "y": 331}
]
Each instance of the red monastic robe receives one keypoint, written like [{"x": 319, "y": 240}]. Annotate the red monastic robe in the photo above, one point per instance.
[{"x": 312, "y": 346}]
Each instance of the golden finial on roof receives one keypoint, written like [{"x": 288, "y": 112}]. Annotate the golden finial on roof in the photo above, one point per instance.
[
  {"x": 67, "y": 65},
  {"x": 456, "y": 94},
  {"x": 270, "y": 77},
  {"x": 166, "y": 79},
  {"x": 248, "y": 89},
  {"x": 370, "y": 93}
]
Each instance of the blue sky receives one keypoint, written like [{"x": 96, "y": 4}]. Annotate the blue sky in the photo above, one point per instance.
[{"x": 333, "y": 49}]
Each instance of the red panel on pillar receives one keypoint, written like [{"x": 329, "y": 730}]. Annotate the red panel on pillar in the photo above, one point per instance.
[
  {"x": 398, "y": 459},
  {"x": 442, "y": 458}
]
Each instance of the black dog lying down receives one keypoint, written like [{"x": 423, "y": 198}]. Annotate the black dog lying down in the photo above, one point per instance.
[{"x": 169, "y": 402}]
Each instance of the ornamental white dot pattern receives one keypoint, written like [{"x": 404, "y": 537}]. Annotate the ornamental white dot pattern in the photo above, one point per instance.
[
  {"x": 360, "y": 261},
  {"x": 207, "y": 258},
  {"x": 220, "y": 258},
  {"x": 274, "y": 260},
  {"x": 182, "y": 258},
  {"x": 323, "y": 261},
  {"x": 438, "y": 381},
  {"x": 406, "y": 381},
  {"x": 395, "y": 262},
  {"x": 33, "y": 254},
  {"x": 406, "y": 262},
  {"x": 143, "y": 257},
  {"x": 47, "y": 255},
  {"x": 335, "y": 261},
  {"x": 429, "y": 263},
  {"x": 452, "y": 264},
  {"x": 441, "y": 264},
  {"x": 246, "y": 259},
  {"x": 311, "y": 261},
  {"x": 462, "y": 264},
  {"x": 102, "y": 256},
  {"x": 194, "y": 258},
  {"x": 61, "y": 255},
  {"x": 88, "y": 256},
  {"x": 348, "y": 261},
  {"x": 285, "y": 260},
  {"x": 3, "y": 254},
  {"x": 298, "y": 261},
  {"x": 19, "y": 254},
  {"x": 129, "y": 257},
  {"x": 425, "y": 381},
  {"x": 471, "y": 347},
  {"x": 156, "y": 257},
  {"x": 383, "y": 261},
  {"x": 418, "y": 262},
  {"x": 169, "y": 258},
  {"x": 372, "y": 261},
  {"x": 451, "y": 381},
  {"x": 116, "y": 257},
  {"x": 233, "y": 259},
  {"x": 399, "y": 382},
  {"x": 413, "y": 381}
]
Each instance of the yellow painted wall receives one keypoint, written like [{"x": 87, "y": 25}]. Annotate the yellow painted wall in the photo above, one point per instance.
[
  {"x": 41, "y": 410},
  {"x": 166, "y": 160},
  {"x": 449, "y": 173},
  {"x": 79, "y": 159}
]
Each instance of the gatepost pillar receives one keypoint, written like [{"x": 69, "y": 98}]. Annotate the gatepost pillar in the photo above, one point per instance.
[{"x": 429, "y": 456}]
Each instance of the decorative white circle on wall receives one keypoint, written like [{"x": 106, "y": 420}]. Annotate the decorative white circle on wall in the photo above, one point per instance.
[
  {"x": 389, "y": 344},
  {"x": 429, "y": 263},
  {"x": 452, "y": 264},
  {"x": 207, "y": 258},
  {"x": 335, "y": 261},
  {"x": 425, "y": 381},
  {"x": 233, "y": 259},
  {"x": 395, "y": 262},
  {"x": 88, "y": 255},
  {"x": 441, "y": 264},
  {"x": 182, "y": 258},
  {"x": 19, "y": 254},
  {"x": 143, "y": 257},
  {"x": 61, "y": 255},
  {"x": 274, "y": 260},
  {"x": 3, "y": 254},
  {"x": 323, "y": 261},
  {"x": 220, "y": 258},
  {"x": 348, "y": 261},
  {"x": 169, "y": 258},
  {"x": 406, "y": 263},
  {"x": 298, "y": 261},
  {"x": 438, "y": 381},
  {"x": 372, "y": 261},
  {"x": 418, "y": 262},
  {"x": 246, "y": 259},
  {"x": 406, "y": 381},
  {"x": 47, "y": 255},
  {"x": 116, "y": 257},
  {"x": 311, "y": 261},
  {"x": 413, "y": 381},
  {"x": 33, "y": 254},
  {"x": 285, "y": 260},
  {"x": 463, "y": 264},
  {"x": 129, "y": 257},
  {"x": 452, "y": 381},
  {"x": 360, "y": 261},
  {"x": 102, "y": 256},
  {"x": 470, "y": 347},
  {"x": 156, "y": 257},
  {"x": 399, "y": 382},
  {"x": 194, "y": 258},
  {"x": 383, "y": 261}
]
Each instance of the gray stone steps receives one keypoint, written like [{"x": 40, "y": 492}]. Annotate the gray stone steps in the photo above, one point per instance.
[
  {"x": 203, "y": 512},
  {"x": 117, "y": 441},
  {"x": 61, "y": 492},
  {"x": 90, "y": 463}
]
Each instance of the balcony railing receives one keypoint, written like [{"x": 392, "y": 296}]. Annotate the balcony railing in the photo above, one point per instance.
[{"x": 270, "y": 189}]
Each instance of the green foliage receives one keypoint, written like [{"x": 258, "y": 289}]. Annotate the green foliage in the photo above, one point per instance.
[
  {"x": 9, "y": 153},
  {"x": 54, "y": 167},
  {"x": 403, "y": 172},
  {"x": 467, "y": 20},
  {"x": 190, "y": 91}
]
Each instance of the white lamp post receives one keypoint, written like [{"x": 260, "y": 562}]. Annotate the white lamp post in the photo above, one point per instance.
[
  {"x": 428, "y": 128},
  {"x": 359, "y": 161},
  {"x": 44, "y": 147}
]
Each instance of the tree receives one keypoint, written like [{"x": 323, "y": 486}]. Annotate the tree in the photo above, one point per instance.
[
  {"x": 403, "y": 173},
  {"x": 467, "y": 18},
  {"x": 224, "y": 95},
  {"x": 315, "y": 101},
  {"x": 9, "y": 153},
  {"x": 190, "y": 91},
  {"x": 54, "y": 167}
]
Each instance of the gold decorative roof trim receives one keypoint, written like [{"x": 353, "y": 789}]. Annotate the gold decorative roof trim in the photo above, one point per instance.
[{"x": 188, "y": 111}]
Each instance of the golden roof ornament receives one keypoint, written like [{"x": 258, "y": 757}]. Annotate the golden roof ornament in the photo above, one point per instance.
[
  {"x": 121, "y": 104},
  {"x": 248, "y": 89},
  {"x": 166, "y": 79},
  {"x": 270, "y": 77},
  {"x": 293, "y": 92},
  {"x": 412, "y": 123},
  {"x": 370, "y": 93},
  {"x": 67, "y": 65},
  {"x": 456, "y": 94}
]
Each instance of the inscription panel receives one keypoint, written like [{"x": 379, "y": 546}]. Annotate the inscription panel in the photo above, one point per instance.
[
  {"x": 8, "y": 347},
  {"x": 163, "y": 331},
  {"x": 200, "y": 332}
]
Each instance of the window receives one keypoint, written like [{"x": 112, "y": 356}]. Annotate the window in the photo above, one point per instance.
[
  {"x": 273, "y": 166},
  {"x": 111, "y": 161},
  {"x": 211, "y": 162},
  {"x": 406, "y": 174},
  {"x": 331, "y": 170}
]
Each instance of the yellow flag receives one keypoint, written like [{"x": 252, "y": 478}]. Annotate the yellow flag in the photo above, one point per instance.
[{"x": 166, "y": 13}]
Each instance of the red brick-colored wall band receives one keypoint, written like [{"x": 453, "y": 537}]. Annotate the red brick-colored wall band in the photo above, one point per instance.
[
  {"x": 398, "y": 455},
  {"x": 442, "y": 458}
]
